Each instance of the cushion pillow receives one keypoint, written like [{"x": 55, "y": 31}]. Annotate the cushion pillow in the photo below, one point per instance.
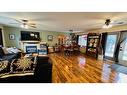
[
  {"x": 9, "y": 50},
  {"x": 13, "y": 50},
  {"x": 5, "y": 50}
]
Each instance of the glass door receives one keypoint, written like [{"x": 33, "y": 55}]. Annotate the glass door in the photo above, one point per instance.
[
  {"x": 123, "y": 49},
  {"x": 110, "y": 46}
]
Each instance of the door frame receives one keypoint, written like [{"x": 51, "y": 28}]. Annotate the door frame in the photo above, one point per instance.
[{"x": 1, "y": 38}]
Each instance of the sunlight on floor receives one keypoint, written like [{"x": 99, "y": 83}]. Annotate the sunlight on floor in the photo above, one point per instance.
[{"x": 121, "y": 78}]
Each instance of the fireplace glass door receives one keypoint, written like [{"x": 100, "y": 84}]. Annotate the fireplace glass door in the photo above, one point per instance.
[{"x": 31, "y": 49}]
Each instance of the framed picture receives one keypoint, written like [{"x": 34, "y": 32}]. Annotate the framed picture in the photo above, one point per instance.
[
  {"x": 50, "y": 38},
  {"x": 11, "y": 36}
]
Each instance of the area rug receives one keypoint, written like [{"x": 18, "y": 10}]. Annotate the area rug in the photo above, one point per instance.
[{"x": 119, "y": 68}]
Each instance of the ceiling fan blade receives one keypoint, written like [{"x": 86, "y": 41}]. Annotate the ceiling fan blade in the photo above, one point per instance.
[
  {"x": 119, "y": 23},
  {"x": 13, "y": 23},
  {"x": 33, "y": 26}
]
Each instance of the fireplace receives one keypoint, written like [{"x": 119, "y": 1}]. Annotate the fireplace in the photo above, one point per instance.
[
  {"x": 30, "y": 46},
  {"x": 33, "y": 46},
  {"x": 31, "y": 49}
]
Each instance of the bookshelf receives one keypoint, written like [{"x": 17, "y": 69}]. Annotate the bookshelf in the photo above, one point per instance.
[{"x": 93, "y": 40}]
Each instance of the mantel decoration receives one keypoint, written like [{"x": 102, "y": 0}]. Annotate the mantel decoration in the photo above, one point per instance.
[
  {"x": 50, "y": 38},
  {"x": 11, "y": 36}
]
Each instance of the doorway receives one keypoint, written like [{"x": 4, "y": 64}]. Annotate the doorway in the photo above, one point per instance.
[
  {"x": 123, "y": 49},
  {"x": 1, "y": 38}
]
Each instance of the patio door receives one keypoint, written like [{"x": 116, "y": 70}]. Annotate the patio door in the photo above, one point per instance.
[
  {"x": 110, "y": 47},
  {"x": 123, "y": 49}
]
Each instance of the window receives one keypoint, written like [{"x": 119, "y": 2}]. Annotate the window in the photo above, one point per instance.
[{"x": 82, "y": 41}]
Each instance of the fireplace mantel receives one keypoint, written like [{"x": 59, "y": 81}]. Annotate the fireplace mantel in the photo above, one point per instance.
[
  {"x": 30, "y": 41},
  {"x": 24, "y": 44}
]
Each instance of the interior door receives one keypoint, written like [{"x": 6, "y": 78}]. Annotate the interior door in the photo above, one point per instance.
[
  {"x": 123, "y": 49},
  {"x": 1, "y": 38}
]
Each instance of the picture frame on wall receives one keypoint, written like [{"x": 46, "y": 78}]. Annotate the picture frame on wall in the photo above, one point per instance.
[
  {"x": 50, "y": 38},
  {"x": 12, "y": 36}
]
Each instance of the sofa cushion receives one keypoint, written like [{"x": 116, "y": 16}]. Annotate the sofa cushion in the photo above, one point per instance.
[
  {"x": 9, "y": 57},
  {"x": 42, "y": 60}
]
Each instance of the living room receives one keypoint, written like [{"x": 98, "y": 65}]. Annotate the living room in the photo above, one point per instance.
[
  {"x": 38, "y": 56},
  {"x": 63, "y": 47}
]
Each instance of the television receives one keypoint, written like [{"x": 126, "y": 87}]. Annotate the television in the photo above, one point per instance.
[{"x": 28, "y": 35}]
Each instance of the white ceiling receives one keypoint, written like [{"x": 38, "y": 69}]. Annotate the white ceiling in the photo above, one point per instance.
[{"x": 62, "y": 21}]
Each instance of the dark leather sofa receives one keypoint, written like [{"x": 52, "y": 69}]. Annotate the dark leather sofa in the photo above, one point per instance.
[
  {"x": 43, "y": 70},
  {"x": 42, "y": 73}
]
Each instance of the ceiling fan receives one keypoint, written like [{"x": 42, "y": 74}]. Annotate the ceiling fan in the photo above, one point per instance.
[
  {"x": 25, "y": 23},
  {"x": 108, "y": 23}
]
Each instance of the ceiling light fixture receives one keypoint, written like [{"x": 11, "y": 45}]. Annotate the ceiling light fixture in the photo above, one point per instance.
[
  {"x": 24, "y": 26},
  {"x": 107, "y": 24}
]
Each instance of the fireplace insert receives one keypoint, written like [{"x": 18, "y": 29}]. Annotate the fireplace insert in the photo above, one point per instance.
[{"x": 31, "y": 49}]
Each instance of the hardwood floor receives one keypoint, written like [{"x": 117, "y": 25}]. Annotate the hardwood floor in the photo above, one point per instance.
[{"x": 80, "y": 69}]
